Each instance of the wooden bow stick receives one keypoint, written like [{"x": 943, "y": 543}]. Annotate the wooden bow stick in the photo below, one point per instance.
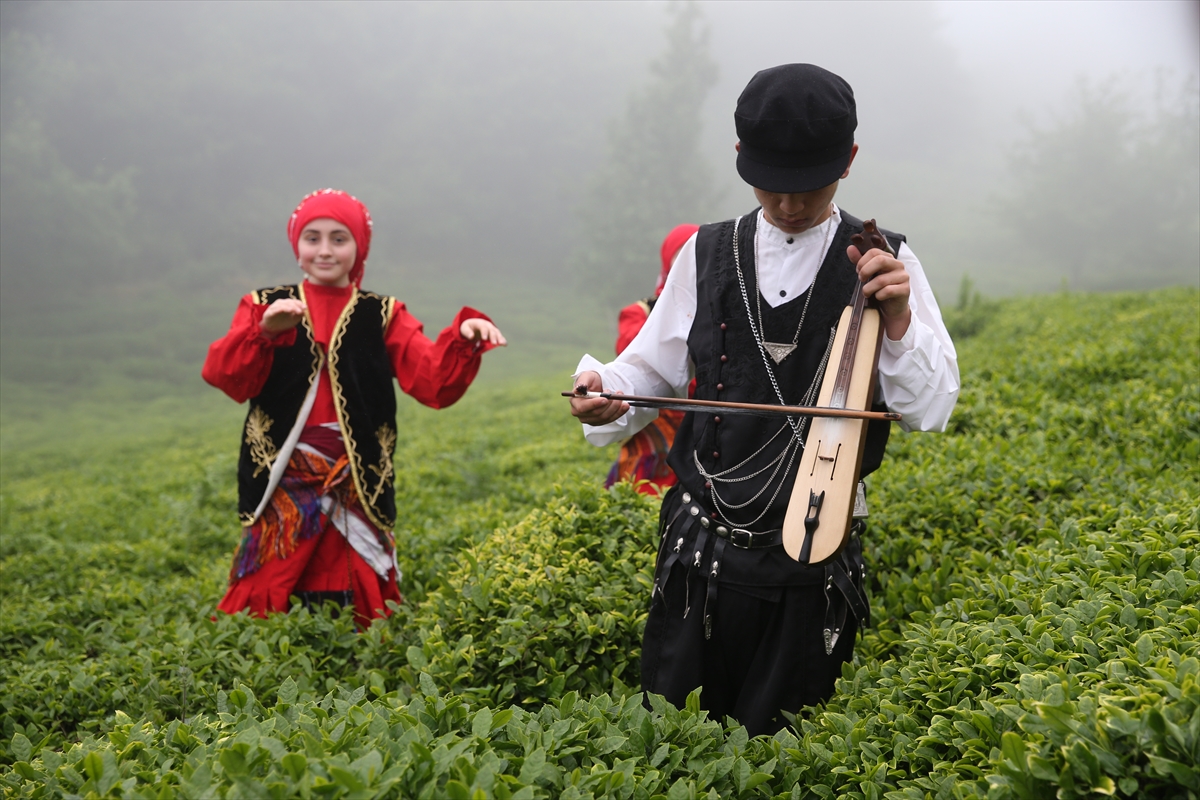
[{"x": 686, "y": 404}]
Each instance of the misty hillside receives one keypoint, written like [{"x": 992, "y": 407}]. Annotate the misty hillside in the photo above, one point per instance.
[{"x": 527, "y": 158}]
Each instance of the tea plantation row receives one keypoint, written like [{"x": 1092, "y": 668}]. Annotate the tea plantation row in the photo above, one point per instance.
[{"x": 1035, "y": 577}]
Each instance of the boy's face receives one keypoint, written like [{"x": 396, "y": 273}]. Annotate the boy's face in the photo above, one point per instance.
[
  {"x": 327, "y": 252},
  {"x": 798, "y": 211}
]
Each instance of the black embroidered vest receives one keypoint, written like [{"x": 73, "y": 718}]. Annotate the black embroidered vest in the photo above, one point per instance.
[
  {"x": 729, "y": 366},
  {"x": 360, "y": 374}
]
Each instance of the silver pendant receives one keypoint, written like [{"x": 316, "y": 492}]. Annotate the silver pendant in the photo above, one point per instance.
[{"x": 778, "y": 351}]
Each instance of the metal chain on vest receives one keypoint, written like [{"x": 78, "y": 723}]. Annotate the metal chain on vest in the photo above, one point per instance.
[
  {"x": 795, "y": 443},
  {"x": 797, "y": 427}
]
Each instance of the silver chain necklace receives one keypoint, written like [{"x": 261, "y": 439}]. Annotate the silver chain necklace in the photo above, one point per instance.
[
  {"x": 797, "y": 427},
  {"x": 777, "y": 350},
  {"x": 795, "y": 443},
  {"x": 793, "y": 446}
]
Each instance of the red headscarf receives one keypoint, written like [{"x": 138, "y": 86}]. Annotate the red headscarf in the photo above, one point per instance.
[
  {"x": 676, "y": 239},
  {"x": 337, "y": 205}
]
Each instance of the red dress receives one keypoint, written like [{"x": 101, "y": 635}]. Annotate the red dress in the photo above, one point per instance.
[{"x": 435, "y": 373}]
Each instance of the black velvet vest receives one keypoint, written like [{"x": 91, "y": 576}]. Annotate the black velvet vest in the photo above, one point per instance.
[
  {"x": 360, "y": 373},
  {"x": 729, "y": 366}
]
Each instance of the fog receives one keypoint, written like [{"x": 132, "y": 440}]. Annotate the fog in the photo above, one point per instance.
[{"x": 154, "y": 150}]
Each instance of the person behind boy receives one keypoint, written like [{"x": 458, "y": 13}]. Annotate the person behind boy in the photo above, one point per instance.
[
  {"x": 643, "y": 456},
  {"x": 316, "y": 361},
  {"x": 731, "y": 612}
]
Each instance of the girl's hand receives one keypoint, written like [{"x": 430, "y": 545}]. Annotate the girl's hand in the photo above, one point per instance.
[
  {"x": 281, "y": 316},
  {"x": 480, "y": 330}
]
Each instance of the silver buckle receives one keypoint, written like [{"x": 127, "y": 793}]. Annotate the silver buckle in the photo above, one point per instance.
[{"x": 860, "y": 502}]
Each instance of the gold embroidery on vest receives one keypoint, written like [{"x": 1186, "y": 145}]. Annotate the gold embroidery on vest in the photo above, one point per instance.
[
  {"x": 389, "y": 310},
  {"x": 262, "y": 449},
  {"x": 311, "y": 331},
  {"x": 386, "y": 435},
  {"x": 339, "y": 405}
]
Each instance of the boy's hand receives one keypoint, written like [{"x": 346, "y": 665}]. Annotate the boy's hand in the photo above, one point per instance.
[
  {"x": 885, "y": 279},
  {"x": 480, "y": 330},
  {"x": 595, "y": 410},
  {"x": 281, "y": 316}
]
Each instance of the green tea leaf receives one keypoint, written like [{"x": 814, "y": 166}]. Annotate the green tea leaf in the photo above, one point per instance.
[
  {"x": 1144, "y": 648},
  {"x": 21, "y": 747},
  {"x": 481, "y": 724},
  {"x": 295, "y": 765},
  {"x": 1013, "y": 748},
  {"x": 531, "y": 769},
  {"x": 93, "y": 765},
  {"x": 234, "y": 762}
]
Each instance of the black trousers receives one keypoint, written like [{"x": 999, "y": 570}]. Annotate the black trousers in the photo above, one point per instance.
[{"x": 753, "y": 637}]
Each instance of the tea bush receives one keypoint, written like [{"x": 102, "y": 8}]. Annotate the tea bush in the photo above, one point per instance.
[
  {"x": 111, "y": 571},
  {"x": 1035, "y": 577},
  {"x": 555, "y": 603}
]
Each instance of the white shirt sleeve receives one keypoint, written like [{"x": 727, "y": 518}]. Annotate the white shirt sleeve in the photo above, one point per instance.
[
  {"x": 656, "y": 362},
  {"x": 918, "y": 375}
]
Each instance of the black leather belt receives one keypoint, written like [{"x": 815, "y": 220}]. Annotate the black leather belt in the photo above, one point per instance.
[
  {"x": 738, "y": 537},
  {"x": 845, "y": 576},
  {"x": 845, "y": 589}
]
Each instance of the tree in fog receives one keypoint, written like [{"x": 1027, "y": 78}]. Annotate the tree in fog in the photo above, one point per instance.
[
  {"x": 51, "y": 214},
  {"x": 1109, "y": 194},
  {"x": 654, "y": 176}
]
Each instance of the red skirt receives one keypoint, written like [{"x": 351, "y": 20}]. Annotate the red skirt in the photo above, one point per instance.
[{"x": 324, "y": 563}]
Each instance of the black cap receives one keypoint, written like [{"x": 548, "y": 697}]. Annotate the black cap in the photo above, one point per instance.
[{"x": 796, "y": 126}]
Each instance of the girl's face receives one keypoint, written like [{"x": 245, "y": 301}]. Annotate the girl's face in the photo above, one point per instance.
[{"x": 327, "y": 252}]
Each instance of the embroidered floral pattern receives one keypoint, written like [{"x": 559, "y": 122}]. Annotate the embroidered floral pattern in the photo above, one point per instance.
[
  {"x": 294, "y": 514},
  {"x": 262, "y": 449},
  {"x": 386, "y": 435},
  {"x": 387, "y": 438}
]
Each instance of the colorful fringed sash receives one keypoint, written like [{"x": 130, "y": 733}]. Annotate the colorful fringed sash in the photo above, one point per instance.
[
  {"x": 294, "y": 513},
  {"x": 643, "y": 456}
]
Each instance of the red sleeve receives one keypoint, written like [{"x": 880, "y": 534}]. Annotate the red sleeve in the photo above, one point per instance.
[
  {"x": 632, "y": 318},
  {"x": 436, "y": 373},
  {"x": 239, "y": 362}
]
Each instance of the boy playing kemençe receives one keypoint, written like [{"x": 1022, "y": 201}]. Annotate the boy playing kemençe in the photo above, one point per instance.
[
  {"x": 316, "y": 361},
  {"x": 753, "y": 304}
]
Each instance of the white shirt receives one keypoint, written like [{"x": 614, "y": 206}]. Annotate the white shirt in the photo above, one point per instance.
[{"x": 918, "y": 375}]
